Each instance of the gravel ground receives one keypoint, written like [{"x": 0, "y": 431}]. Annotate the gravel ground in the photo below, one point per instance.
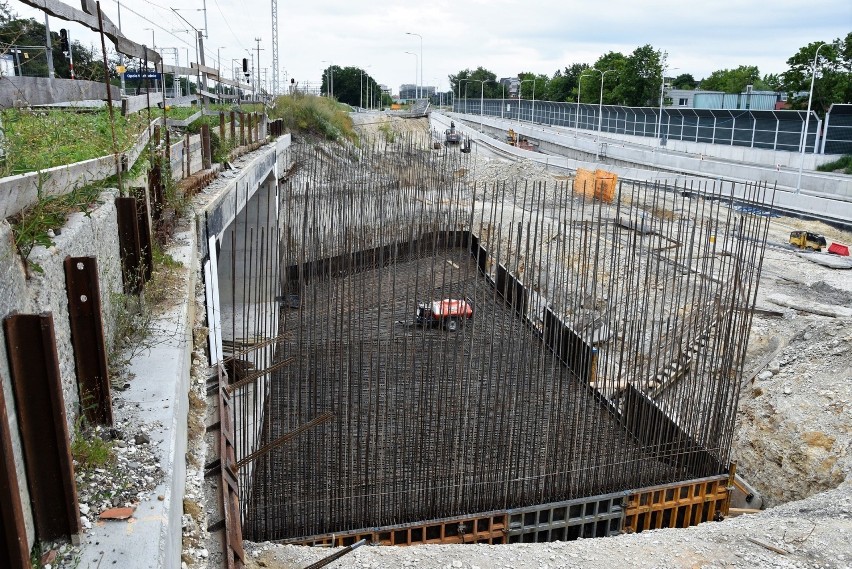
[{"x": 792, "y": 442}]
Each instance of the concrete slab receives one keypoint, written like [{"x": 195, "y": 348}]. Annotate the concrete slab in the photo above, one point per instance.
[{"x": 152, "y": 537}]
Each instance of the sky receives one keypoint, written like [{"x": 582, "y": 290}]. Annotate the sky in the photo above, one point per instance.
[{"x": 504, "y": 36}]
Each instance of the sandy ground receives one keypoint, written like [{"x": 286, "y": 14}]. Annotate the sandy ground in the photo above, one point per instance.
[{"x": 792, "y": 442}]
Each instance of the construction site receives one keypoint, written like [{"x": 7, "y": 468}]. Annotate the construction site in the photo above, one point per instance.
[
  {"x": 598, "y": 351},
  {"x": 254, "y": 327}
]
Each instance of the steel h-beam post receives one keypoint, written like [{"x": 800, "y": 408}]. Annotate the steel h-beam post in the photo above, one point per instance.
[
  {"x": 87, "y": 337},
  {"x": 34, "y": 365},
  {"x": 14, "y": 552}
]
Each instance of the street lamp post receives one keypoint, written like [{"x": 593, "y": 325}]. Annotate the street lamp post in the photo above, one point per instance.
[
  {"x": 421, "y": 60},
  {"x": 600, "y": 103},
  {"x": 577, "y": 118},
  {"x": 532, "y": 113},
  {"x": 416, "y": 66},
  {"x": 482, "y": 83},
  {"x": 329, "y": 79},
  {"x": 154, "y": 48},
  {"x": 662, "y": 99},
  {"x": 219, "y": 69},
  {"x": 198, "y": 72},
  {"x": 807, "y": 121}
]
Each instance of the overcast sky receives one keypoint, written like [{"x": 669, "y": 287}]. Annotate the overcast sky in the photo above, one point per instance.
[{"x": 504, "y": 36}]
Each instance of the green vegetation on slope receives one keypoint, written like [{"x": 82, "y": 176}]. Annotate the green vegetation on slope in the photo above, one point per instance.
[
  {"x": 37, "y": 140},
  {"x": 317, "y": 115},
  {"x": 844, "y": 163}
]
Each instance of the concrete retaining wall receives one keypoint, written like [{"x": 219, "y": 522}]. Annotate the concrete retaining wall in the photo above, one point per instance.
[{"x": 92, "y": 235}]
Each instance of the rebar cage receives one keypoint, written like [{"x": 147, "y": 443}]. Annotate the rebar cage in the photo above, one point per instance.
[{"x": 604, "y": 353}]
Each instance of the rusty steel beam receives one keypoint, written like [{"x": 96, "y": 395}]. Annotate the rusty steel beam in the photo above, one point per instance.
[
  {"x": 258, "y": 374},
  {"x": 87, "y": 337},
  {"x": 319, "y": 420},
  {"x": 129, "y": 244},
  {"x": 232, "y": 541},
  {"x": 14, "y": 552},
  {"x": 144, "y": 224},
  {"x": 206, "y": 149},
  {"x": 155, "y": 190},
  {"x": 34, "y": 364}
]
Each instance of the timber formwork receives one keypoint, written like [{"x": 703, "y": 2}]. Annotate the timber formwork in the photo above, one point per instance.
[{"x": 682, "y": 504}]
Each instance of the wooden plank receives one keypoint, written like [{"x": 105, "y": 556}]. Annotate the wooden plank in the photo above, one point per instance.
[
  {"x": 17, "y": 91},
  {"x": 185, "y": 122},
  {"x": 204, "y": 69},
  {"x": 34, "y": 365},
  {"x": 178, "y": 70},
  {"x": 130, "y": 105},
  {"x": 185, "y": 101},
  {"x": 122, "y": 44}
]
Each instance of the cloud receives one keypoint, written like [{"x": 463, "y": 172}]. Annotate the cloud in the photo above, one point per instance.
[{"x": 505, "y": 36}]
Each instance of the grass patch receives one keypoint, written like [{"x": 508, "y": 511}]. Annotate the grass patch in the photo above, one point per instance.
[
  {"x": 41, "y": 139},
  {"x": 162, "y": 290},
  {"x": 317, "y": 115},
  {"x": 844, "y": 164},
  {"x": 387, "y": 130},
  {"x": 89, "y": 450},
  {"x": 33, "y": 226}
]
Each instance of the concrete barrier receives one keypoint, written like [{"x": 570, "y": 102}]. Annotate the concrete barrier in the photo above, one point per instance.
[{"x": 646, "y": 165}]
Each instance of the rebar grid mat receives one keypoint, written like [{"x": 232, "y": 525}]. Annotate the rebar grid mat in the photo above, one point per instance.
[{"x": 603, "y": 354}]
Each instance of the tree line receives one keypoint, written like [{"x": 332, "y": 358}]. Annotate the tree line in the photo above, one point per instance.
[
  {"x": 353, "y": 86},
  {"x": 635, "y": 79}
]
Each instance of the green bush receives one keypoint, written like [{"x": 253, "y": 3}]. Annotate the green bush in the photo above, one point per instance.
[
  {"x": 317, "y": 115},
  {"x": 843, "y": 163}
]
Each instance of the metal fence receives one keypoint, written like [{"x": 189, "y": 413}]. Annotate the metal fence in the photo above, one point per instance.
[
  {"x": 773, "y": 130},
  {"x": 838, "y": 130}
]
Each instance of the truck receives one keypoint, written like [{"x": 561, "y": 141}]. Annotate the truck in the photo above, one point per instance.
[
  {"x": 449, "y": 313},
  {"x": 807, "y": 240},
  {"x": 451, "y": 135}
]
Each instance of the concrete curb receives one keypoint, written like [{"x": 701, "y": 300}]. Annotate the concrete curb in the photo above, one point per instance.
[{"x": 160, "y": 393}]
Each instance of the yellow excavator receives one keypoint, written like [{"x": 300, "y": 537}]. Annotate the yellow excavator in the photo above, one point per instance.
[
  {"x": 518, "y": 141},
  {"x": 807, "y": 240}
]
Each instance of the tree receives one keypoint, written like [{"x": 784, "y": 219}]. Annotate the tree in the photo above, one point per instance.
[
  {"x": 352, "y": 85},
  {"x": 563, "y": 85},
  {"x": 28, "y": 32},
  {"x": 590, "y": 87},
  {"x": 773, "y": 82},
  {"x": 733, "y": 80},
  {"x": 638, "y": 82},
  {"x": 6, "y": 13},
  {"x": 532, "y": 84},
  {"x": 833, "y": 78},
  {"x": 469, "y": 81},
  {"x": 684, "y": 81}
]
